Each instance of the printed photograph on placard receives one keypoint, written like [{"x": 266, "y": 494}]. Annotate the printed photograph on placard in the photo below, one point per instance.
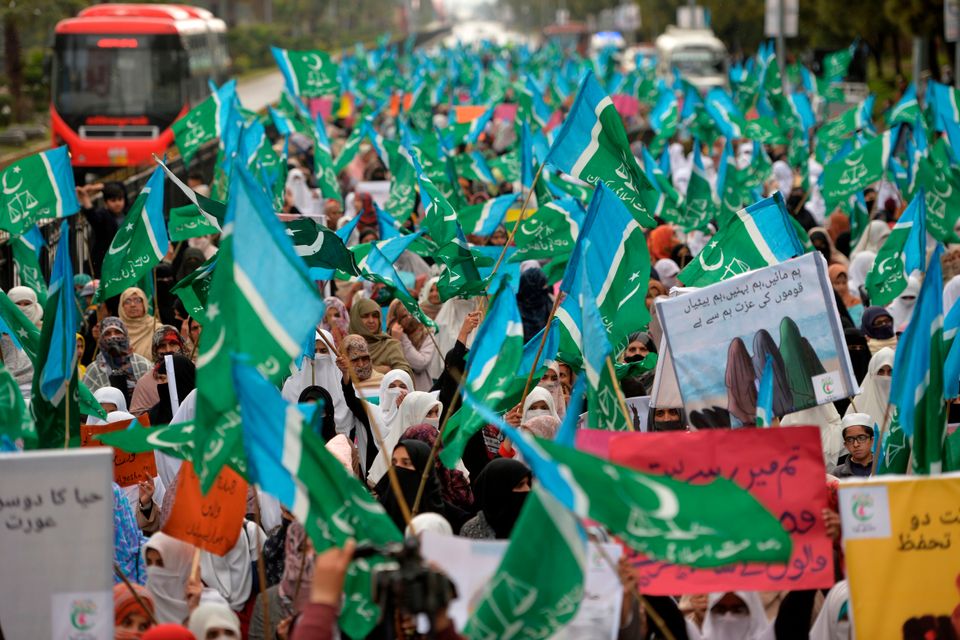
[{"x": 720, "y": 338}]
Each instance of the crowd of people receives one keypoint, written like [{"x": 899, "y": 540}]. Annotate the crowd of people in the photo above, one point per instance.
[{"x": 378, "y": 373}]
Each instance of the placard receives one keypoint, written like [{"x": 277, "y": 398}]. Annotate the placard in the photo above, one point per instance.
[
  {"x": 900, "y": 537},
  {"x": 719, "y": 336},
  {"x": 471, "y": 564},
  {"x": 56, "y": 544},
  {"x": 128, "y": 468},
  {"x": 782, "y": 468},
  {"x": 211, "y": 522}
]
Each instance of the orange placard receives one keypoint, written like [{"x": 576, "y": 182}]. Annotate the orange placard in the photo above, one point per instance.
[
  {"x": 128, "y": 468},
  {"x": 211, "y": 522},
  {"x": 469, "y": 112}
]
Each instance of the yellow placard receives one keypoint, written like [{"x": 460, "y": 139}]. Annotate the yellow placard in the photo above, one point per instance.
[{"x": 902, "y": 545}]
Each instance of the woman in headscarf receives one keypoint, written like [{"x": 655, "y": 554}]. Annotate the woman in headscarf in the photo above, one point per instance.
[
  {"x": 859, "y": 352},
  {"x": 838, "y": 224},
  {"x": 655, "y": 289},
  {"x": 500, "y": 491},
  {"x": 115, "y": 364},
  {"x": 26, "y": 299},
  {"x": 542, "y": 427},
  {"x": 833, "y": 621},
  {"x": 454, "y": 484},
  {"x": 802, "y": 363},
  {"x": 168, "y": 568},
  {"x": 874, "y": 396},
  {"x": 877, "y": 325},
  {"x": 385, "y": 352},
  {"x": 81, "y": 280},
  {"x": 418, "y": 347},
  {"x": 409, "y": 461},
  {"x": 166, "y": 340},
  {"x": 232, "y": 573},
  {"x": 416, "y": 407},
  {"x": 872, "y": 237},
  {"x": 551, "y": 382},
  {"x": 841, "y": 285},
  {"x": 821, "y": 241},
  {"x": 534, "y": 301},
  {"x": 740, "y": 380},
  {"x": 860, "y": 266},
  {"x": 166, "y": 300},
  {"x": 661, "y": 242},
  {"x": 291, "y": 594},
  {"x": 336, "y": 319},
  {"x": 127, "y": 539},
  {"x": 185, "y": 373},
  {"x": 214, "y": 620},
  {"x": 449, "y": 320},
  {"x": 320, "y": 371},
  {"x": 667, "y": 271},
  {"x": 140, "y": 325},
  {"x": 902, "y": 308},
  {"x": 764, "y": 345},
  {"x": 736, "y": 615},
  {"x": 429, "y": 298},
  {"x": 539, "y": 402},
  {"x": 131, "y": 617},
  {"x": 190, "y": 261}
]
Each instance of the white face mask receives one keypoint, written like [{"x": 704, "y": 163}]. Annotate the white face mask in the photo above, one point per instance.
[
  {"x": 883, "y": 383},
  {"x": 730, "y": 626},
  {"x": 536, "y": 413},
  {"x": 550, "y": 386},
  {"x": 433, "y": 422}
]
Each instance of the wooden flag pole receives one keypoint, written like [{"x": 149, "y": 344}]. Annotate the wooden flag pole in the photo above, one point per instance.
[
  {"x": 261, "y": 564},
  {"x": 620, "y": 400},
  {"x": 66, "y": 408},
  {"x": 516, "y": 225},
  {"x": 543, "y": 343},
  {"x": 436, "y": 444},
  {"x": 374, "y": 427}
]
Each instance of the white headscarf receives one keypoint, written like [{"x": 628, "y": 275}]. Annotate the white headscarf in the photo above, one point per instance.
[
  {"x": 667, "y": 269},
  {"x": 874, "y": 396},
  {"x": 168, "y": 584},
  {"x": 538, "y": 394},
  {"x": 321, "y": 371},
  {"x": 828, "y": 625},
  {"x": 111, "y": 395},
  {"x": 951, "y": 293},
  {"x": 872, "y": 238},
  {"x": 428, "y": 522},
  {"x": 784, "y": 177},
  {"x": 389, "y": 408},
  {"x": 902, "y": 308},
  {"x": 413, "y": 411},
  {"x": 449, "y": 320},
  {"x": 33, "y": 311},
  {"x": 559, "y": 403},
  {"x": 753, "y": 626},
  {"x": 857, "y": 272},
  {"x": 826, "y": 417},
  {"x": 212, "y": 616},
  {"x": 232, "y": 574}
]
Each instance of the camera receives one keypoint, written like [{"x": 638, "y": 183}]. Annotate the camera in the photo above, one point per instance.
[{"x": 406, "y": 583}]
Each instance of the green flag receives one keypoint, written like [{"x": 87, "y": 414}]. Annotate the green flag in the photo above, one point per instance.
[
  {"x": 25, "y": 251},
  {"x": 942, "y": 191},
  {"x": 38, "y": 186},
  {"x": 527, "y": 597},
  {"x": 186, "y": 222},
  {"x": 197, "y": 128},
  {"x": 194, "y": 289},
  {"x": 859, "y": 169},
  {"x": 550, "y": 232},
  {"x": 904, "y": 246},
  {"x": 308, "y": 74},
  {"x": 140, "y": 243},
  {"x": 16, "y": 423},
  {"x": 701, "y": 204},
  {"x": 320, "y": 247},
  {"x": 835, "y": 64}
]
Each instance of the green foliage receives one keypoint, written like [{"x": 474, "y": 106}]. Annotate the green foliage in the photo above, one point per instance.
[{"x": 915, "y": 17}]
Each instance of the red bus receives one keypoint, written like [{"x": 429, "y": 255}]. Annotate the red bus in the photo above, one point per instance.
[{"x": 123, "y": 73}]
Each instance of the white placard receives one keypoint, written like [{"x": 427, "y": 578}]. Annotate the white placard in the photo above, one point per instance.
[
  {"x": 56, "y": 544},
  {"x": 471, "y": 564}
]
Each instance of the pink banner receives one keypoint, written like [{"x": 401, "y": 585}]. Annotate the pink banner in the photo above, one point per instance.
[
  {"x": 322, "y": 107},
  {"x": 781, "y": 467}
]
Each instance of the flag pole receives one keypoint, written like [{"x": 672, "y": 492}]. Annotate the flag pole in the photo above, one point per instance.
[
  {"x": 543, "y": 343},
  {"x": 436, "y": 444},
  {"x": 620, "y": 400},
  {"x": 261, "y": 564},
  {"x": 374, "y": 427},
  {"x": 66, "y": 424},
  {"x": 516, "y": 225}
]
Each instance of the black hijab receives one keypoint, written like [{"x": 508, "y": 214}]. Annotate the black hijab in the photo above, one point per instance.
[
  {"x": 166, "y": 278},
  {"x": 322, "y": 423},
  {"x": 533, "y": 299},
  {"x": 493, "y": 491},
  {"x": 186, "y": 374},
  {"x": 409, "y": 481}
]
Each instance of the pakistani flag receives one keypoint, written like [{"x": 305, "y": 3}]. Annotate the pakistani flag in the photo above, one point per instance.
[
  {"x": 16, "y": 423},
  {"x": 701, "y": 204},
  {"x": 194, "y": 289},
  {"x": 702, "y": 525},
  {"x": 593, "y": 146},
  {"x": 755, "y": 237},
  {"x": 289, "y": 461},
  {"x": 38, "y": 186},
  {"x": 308, "y": 74},
  {"x": 319, "y": 246},
  {"x": 859, "y": 169},
  {"x": 26, "y": 255},
  {"x": 903, "y": 252},
  {"x": 538, "y": 585},
  {"x": 613, "y": 246},
  {"x": 261, "y": 306},
  {"x": 140, "y": 243},
  {"x": 551, "y": 232},
  {"x": 917, "y": 388}
]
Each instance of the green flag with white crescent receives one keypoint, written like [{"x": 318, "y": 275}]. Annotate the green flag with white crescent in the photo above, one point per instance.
[
  {"x": 16, "y": 423},
  {"x": 859, "y": 169},
  {"x": 308, "y": 74},
  {"x": 25, "y": 250},
  {"x": 38, "y": 186},
  {"x": 186, "y": 222},
  {"x": 901, "y": 253},
  {"x": 197, "y": 128}
]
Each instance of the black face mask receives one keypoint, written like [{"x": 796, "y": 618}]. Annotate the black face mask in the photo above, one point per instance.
[
  {"x": 506, "y": 516},
  {"x": 634, "y": 358},
  {"x": 667, "y": 425},
  {"x": 882, "y": 333}
]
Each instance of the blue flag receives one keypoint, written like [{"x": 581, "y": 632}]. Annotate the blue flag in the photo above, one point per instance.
[{"x": 61, "y": 363}]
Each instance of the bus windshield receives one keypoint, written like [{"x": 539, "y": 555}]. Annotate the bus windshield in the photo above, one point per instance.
[
  {"x": 698, "y": 61},
  {"x": 118, "y": 76}
]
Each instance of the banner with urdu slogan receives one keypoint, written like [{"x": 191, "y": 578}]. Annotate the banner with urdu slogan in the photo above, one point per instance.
[
  {"x": 718, "y": 338},
  {"x": 900, "y": 544}
]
